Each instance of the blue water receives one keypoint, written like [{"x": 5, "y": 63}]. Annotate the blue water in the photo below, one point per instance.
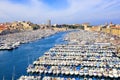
[{"x": 15, "y": 62}]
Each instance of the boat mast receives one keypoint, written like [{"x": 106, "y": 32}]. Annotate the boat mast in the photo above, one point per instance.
[
  {"x": 3, "y": 78},
  {"x": 13, "y": 75},
  {"x": 28, "y": 60}
]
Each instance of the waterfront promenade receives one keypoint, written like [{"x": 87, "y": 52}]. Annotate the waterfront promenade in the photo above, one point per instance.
[
  {"x": 11, "y": 41},
  {"x": 87, "y": 56}
]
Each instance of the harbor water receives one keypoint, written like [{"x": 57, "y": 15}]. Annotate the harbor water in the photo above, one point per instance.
[{"x": 13, "y": 63}]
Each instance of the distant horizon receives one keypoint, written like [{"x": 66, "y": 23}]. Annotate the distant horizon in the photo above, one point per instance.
[
  {"x": 61, "y": 11},
  {"x": 64, "y": 23}
]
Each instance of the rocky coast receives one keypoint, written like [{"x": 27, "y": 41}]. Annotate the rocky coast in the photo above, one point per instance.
[{"x": 11, "y": 41}]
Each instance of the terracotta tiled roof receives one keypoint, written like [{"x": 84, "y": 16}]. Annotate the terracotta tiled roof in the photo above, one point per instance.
[
  {"x": 3, "y": 27},
  {"x": 116, "y": 27}
]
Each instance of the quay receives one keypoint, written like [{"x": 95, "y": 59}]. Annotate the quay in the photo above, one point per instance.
[
  {"x": 87, "y": 56},
  {"x": 12, "y": 41}
]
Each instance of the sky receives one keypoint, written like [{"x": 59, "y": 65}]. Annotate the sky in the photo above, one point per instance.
[{"x": 61, "y": 11}]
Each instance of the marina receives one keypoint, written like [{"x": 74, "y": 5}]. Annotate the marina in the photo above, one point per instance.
[
  {"x": 21, "y": 57},
  {"x": 60, "y": 40},
  {"x": 12, "y": 41},
  {"x": 87, "y": 58}
]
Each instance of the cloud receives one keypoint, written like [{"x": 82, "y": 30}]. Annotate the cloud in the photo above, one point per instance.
[{"x": 75, "y": 11}]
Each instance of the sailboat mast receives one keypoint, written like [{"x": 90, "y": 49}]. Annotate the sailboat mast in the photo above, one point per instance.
[
  {"x": 3, "y": 78},
  {"x": 13, "y": 75},
  {"x": 28, "y": 60}
]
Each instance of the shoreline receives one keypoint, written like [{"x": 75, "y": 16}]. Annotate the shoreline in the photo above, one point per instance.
[{"x": 12, "y": 41}]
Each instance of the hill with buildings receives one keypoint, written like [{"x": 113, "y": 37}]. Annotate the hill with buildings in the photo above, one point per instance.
[{"x": 17, "y": 26}]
